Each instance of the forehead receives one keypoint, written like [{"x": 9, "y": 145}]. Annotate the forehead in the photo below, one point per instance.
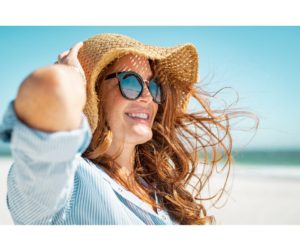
[{"x": 134, "y": 63}]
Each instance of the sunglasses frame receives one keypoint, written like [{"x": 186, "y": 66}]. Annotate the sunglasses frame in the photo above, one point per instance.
[{"x": 141, "y": 82}]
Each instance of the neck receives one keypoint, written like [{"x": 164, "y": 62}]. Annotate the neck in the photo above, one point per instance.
[{"x": 125, "y": 158}]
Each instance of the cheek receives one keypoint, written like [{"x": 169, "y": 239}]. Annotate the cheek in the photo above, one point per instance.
[
  {"x": 155, "y": 111},
  {"x": 114, "y": 106}
]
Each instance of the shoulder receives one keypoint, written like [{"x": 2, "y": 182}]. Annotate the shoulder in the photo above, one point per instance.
[
  {"x": 93, "y": 176},
  {"x": 90, "y": 170}
]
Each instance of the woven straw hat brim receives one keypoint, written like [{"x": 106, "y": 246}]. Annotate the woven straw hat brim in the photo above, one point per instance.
[{"x": 179, "y": 64}]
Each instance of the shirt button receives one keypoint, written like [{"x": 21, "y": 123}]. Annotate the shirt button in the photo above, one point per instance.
[
  {"x": 164, "y": 217},
  {"x": 120, "y": 189}
]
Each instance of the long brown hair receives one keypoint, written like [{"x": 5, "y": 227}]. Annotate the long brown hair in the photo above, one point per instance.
[{"x": 178, "y": 162}]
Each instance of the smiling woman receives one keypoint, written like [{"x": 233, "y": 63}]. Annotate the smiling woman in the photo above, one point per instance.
[
  {"x": 122, "y": 149},
  {"x": 130, "y": 117}
]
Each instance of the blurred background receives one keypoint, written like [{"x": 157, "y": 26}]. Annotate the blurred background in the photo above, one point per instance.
[{"x": 259, "y": 63}]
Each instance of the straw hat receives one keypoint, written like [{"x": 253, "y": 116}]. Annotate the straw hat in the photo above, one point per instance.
[{"x": 179, "y": 65}]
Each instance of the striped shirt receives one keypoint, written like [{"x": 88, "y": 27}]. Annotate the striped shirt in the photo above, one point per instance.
[{"x": 50, "y": 182}]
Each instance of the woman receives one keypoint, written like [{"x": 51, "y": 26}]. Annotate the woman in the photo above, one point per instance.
[{"x": 103, "y": 137}]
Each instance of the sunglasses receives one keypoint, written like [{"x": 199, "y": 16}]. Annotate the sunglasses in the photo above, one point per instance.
[{"x": 131, "y": 86}]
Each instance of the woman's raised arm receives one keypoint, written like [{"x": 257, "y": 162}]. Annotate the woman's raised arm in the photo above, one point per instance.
[
  {"x": 48, "y": 133},
  {"x": 52, "y": 98}
]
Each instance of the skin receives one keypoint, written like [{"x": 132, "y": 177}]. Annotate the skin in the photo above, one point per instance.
[
  {"x": 44, "y": 101},
  {"x": 128, "y": 132}
]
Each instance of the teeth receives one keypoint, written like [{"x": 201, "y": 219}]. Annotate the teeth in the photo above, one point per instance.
[{"x": 138, "y": 115}]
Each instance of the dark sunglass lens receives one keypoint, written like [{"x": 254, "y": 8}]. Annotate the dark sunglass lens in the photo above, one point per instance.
[
  {"x": 155, "y": 90},
  {"x": 130, "y": 86}
]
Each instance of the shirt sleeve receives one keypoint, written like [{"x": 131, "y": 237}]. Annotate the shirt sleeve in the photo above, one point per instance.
[{"x": 41, "y": 179}]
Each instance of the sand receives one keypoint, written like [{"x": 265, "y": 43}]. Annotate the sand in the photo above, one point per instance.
[
  {"x": 259, "y": 195},
  {"x": 262, "y": 195}
]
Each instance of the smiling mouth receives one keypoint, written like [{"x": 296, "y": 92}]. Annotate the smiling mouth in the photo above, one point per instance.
[{"x": 138, "y": 116}]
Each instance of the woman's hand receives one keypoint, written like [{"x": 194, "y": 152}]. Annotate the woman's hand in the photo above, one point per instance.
[{"x": 70, "y": 58}]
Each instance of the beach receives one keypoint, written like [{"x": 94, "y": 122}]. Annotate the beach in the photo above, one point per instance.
[
  {"x": 262, "y": 196},
  {"x": 259, "y": 195}
]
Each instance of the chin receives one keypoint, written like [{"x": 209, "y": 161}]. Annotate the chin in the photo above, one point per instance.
[
  {"x": 139, "y": 139},
  {"x": 140, "y": 134}
]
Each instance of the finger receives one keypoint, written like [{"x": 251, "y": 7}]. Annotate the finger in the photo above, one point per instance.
[
  {"x": 63, "y": 54},
  {"x": 74, "y": 50},
  {"x": 66, "y": 60}
]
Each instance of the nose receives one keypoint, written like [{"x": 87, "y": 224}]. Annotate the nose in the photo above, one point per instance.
[{"x": 146, "y": 95}]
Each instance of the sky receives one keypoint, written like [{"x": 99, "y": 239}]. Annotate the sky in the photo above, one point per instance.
[{"x": 261, "y": 64}]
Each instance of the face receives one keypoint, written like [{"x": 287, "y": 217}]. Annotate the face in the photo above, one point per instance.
[{"x": 120, "y": 112}]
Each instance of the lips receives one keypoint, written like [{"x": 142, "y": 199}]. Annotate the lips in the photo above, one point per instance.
[{"x": 139, "y": 115}]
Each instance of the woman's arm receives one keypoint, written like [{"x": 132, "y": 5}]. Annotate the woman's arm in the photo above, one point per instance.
[
  {"x": 52, "y": 98},
  {"x": 48, "y": 133}
]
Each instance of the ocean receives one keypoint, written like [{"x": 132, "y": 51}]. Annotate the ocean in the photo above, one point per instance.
[{"x": 273, "y": 158}]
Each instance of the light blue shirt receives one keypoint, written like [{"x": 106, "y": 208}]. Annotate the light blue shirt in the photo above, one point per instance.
[{"x": 50, "y": 182}]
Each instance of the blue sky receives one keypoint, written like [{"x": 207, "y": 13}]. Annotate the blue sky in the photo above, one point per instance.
[{"x": 261, "y": 63}]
